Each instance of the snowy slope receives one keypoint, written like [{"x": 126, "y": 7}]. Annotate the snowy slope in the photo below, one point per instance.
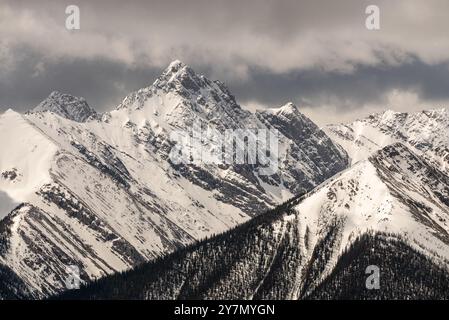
[
  {"x": 394, "y": 191},
  {"x": 391, "y": 211},
  {"x": 26, "y": 156},
  {"x": 425, "y": 132},
  {"x": 101, "y": 193}
]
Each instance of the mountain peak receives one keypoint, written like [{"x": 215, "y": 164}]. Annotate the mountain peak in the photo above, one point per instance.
[
  {"x": 67, "y": 106},
  {"x": 285, "y": 110},
  {"x": 175, "y": 65},
  {"x": 289, "y": 107},
  {"x": 180, "y": 76},
  {"x": 187, "y": 90},
  {"x": 56, "y": 93},
  {"x": 389, "y": 113}
]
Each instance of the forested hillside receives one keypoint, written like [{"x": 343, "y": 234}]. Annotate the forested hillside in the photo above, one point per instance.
[{"x": 262, "y": 259}]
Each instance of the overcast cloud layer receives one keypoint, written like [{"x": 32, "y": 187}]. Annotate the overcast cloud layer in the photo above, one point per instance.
[{"x": 317, "y": 54}]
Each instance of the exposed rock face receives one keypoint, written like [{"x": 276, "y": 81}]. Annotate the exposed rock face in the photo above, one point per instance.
[
  {"x": 67, "y": 106},
  {"x": 389, "y": 211},
  {"x": 102, "y": 193},
  {"x": 310, "y": 153},
  {"x": 425, "y": 132}
]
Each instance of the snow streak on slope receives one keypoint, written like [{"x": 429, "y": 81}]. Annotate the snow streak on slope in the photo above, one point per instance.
[
  {"x": 390, "y": 210},
  {"x": 101, "y": 193},
  {"x": 426, "y": 132},
  {"x": 180, "y": 98},
  {"x": 67, "y": 106},
  {"x": 395, "y": 191}
]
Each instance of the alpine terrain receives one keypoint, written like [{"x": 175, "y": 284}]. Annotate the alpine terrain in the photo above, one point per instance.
[
  {"x": 117, "y": 197},
  {"x": 390, "y": 211},
  {"x": 100, "y": 193}
]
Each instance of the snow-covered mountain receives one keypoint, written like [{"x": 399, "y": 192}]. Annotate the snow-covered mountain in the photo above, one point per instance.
[
  {"x": 393, "y": 192},
  {"x": 67, "y": 106},
  {"x": 104, "y": 193},
  {"x": 425, "y": 132},
  {"x": 101, "y": 192},
  {"x": 391, "y": 210}
]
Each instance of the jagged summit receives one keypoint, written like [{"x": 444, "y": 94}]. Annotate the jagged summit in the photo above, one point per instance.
[
  {"x": 175, "y": 64},
  {"x": 174, "y": 67},
  {"x": 180, "y": 76},
  {"x": 389, "y": 211},
  {"x": 178, "y": 97},
  {"x": 67, "y": 106},
  {"x": 424, "y": 131},
  {"x": 175, "y": 70},
  {"x": 390, "y": 115},
  {"x": 284, "y": 110}
]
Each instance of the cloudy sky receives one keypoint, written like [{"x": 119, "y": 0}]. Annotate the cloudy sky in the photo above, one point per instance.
[{"x": 317, "y": 54}]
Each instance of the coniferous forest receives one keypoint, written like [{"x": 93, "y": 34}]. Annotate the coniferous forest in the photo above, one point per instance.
[{"x": 262, "y": 259}]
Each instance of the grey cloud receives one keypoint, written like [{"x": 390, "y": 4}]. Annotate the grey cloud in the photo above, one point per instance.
[
  {"x": 103, "y": 83},
  {"x": 366, "y": 85},
  {"x": 280, "y": 35},
  {"x": 267, "y": 51}
]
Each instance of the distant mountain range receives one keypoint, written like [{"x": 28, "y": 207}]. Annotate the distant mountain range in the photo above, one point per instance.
[
  {"x": 389, "y": 211},
  {"x": 101, "y": 193}
]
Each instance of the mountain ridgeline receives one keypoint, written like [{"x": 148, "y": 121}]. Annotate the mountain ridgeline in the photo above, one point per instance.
[
  {"x": 318, "y": 245},
  {"x": 100, "y": 191},
  {"x": 101, "y": 194},
  {"x": 261, "y": 259}
]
